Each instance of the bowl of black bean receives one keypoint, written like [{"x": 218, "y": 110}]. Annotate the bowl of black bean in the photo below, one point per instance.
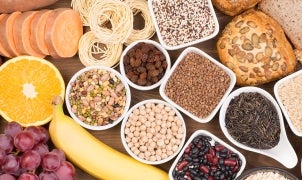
[
  {"x": 97, "y": 97},
  {"x": 197, "y": 84},
  {"x": 182, "y": 24},
  {"x": 252, "y": 120},
  {"x": 207, "y": 157}
]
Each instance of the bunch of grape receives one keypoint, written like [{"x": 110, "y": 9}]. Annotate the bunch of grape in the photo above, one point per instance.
[{"x": 25, "y": 154}]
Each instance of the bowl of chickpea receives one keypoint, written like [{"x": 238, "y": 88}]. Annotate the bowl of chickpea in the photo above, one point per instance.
[{"x": 153, "y": 131}]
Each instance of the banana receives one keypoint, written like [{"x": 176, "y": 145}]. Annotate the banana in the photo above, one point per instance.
[{"x": 92, "y": 155}]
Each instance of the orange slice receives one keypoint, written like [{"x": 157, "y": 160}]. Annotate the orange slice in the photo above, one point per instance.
[{"x": 27, "y": 87}]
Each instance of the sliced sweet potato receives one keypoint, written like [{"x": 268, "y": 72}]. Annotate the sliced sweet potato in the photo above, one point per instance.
[
  {"x": 21, "y": 34},
  {"x": 38, "y": 31},
  {"x": 4, "y": 51},
  {"x": 9, "y": 6},
  {"x": 64, "y": 30},
  {"x": 8, "y": 32}
]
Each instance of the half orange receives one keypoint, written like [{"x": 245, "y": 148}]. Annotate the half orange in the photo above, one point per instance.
[{"x": 27, "y": 87}]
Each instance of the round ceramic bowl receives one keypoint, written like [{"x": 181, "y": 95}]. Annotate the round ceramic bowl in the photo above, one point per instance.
[
  {"x": 203, "y": 10},
  {"x": 153, "y": 131},
  {"x": 196, "y": 148},
  {"x": 289, "y": 99},
  {"x": 97, "y": 97},
  {"x": 203, "y": 84},
  {"x": 267, "y": 172},
  {"x": 143, "y": 68},
  {"x": 282, "y": 147}
]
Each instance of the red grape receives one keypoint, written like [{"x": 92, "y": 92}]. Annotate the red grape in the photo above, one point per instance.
[
  {"x": 28, "y": 176},
  {"x": 46, "y": 175},
  {"x": 60, "y": 153},
  {"x": 36, "y": 132},
  {"x": 30, "y": 160},
  {"x": 6, "y": 143},
  {"x": 50, "y": 161},
  {"x": 7, "y": 177},
  {"x": 44, "y": 134},
  {"x": 41, "y": 148},
  {"x": 66, "y": 171},
  {"x": 24, "y": 141},
  {"x": 11, "y": 164},
  {"x": 12, "y": 128},
  {"x": 2, "y": 156}
]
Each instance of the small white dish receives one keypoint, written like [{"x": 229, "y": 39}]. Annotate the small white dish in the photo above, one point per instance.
[
  {"x": 214, "y": 139},
  {"x": 106, "y": 69},
  {"x": 205, "y": 38},
  {"x": 221, "y": 66},
  {"x": 135, "y": 108},
  {"x": 279, "y": 100},
  {"x": 283, "y": 152},
  {"x": 159, "y": 47}
]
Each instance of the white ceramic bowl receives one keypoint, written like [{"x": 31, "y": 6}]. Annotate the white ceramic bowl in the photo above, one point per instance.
[
  {"x": 159, "y": 47},
  {"x": 214, "y": 139},
  {"x": 76, "y": 118},
  {"x": 283, "y": 151},
  {"x": 280, "y": 102},
  {"x": 205, "y": 38},
  {"x": 221, "y": 66},
  {"x": 267, "y": 169},
  {"x": 123, "y": 136}
]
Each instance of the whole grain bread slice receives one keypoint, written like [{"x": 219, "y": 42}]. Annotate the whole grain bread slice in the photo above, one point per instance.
[{"x": 289, "y": 15}]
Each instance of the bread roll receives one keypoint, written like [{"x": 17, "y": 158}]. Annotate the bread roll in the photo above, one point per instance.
[
  {"x": 254, "y": 46},
  {"x": 234, "y": 7}
]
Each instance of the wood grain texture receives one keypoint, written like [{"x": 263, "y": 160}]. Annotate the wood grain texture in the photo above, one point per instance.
[{"x": 111, "y": 137}]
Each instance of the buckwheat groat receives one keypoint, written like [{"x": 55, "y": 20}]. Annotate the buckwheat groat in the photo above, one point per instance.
[{"x": 254, "y": 46}]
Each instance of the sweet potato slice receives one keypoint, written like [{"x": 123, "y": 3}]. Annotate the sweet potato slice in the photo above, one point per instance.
[
  {"x": 4, "y": 51},
  {"x": 38, "y": 31},
  {"x": 21, "y": 34},
  {"x": 8, "y": 32},
  {"x": 9, "y": 6},
  {"x": 64, "y": 30}
]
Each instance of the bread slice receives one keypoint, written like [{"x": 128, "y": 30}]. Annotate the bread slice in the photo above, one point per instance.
[{"x": 289, "y": 15}]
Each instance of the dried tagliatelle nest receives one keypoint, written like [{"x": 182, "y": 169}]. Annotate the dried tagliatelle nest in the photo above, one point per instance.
[
  {"x": 112, "y": 23},
  {"x": 254, "y": 46}
]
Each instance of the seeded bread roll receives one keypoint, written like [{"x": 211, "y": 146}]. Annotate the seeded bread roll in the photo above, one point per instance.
[
  {"x": 254, "y": 46},
  {"x": 234, "y": 7}
]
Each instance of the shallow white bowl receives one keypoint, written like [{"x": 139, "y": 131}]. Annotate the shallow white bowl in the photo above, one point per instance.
[
  {"x": 125, "y": 144},
  {"x": 159, "y": 47},
  {"x": 166, "y": 46},
  {"x": 285, "y": 112},
  {"x": 214, "y": 139},
  {"x": 74, "y": 116},
  {"x": 179, "y": 59},
  {"x": 283, "y": 151}
]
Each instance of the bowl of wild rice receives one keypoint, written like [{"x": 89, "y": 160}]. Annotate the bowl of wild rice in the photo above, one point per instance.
[
  {"x": 97, "y": 97},
  {"x": 288, "y": 92},
  {"x": 197, "y": 84},
  {"x": 252, "y": 120},
  {"x": 181, "y": 24},
  {"x": 267, "y": 172}
]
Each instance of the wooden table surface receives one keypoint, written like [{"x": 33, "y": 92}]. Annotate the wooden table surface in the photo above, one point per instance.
[{"x": 111, "y": 137}]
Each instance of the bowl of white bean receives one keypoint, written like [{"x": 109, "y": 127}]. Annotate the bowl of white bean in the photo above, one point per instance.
[
  {"x": 97, "y": 97},
  {"x": 153, "y": 131}
]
